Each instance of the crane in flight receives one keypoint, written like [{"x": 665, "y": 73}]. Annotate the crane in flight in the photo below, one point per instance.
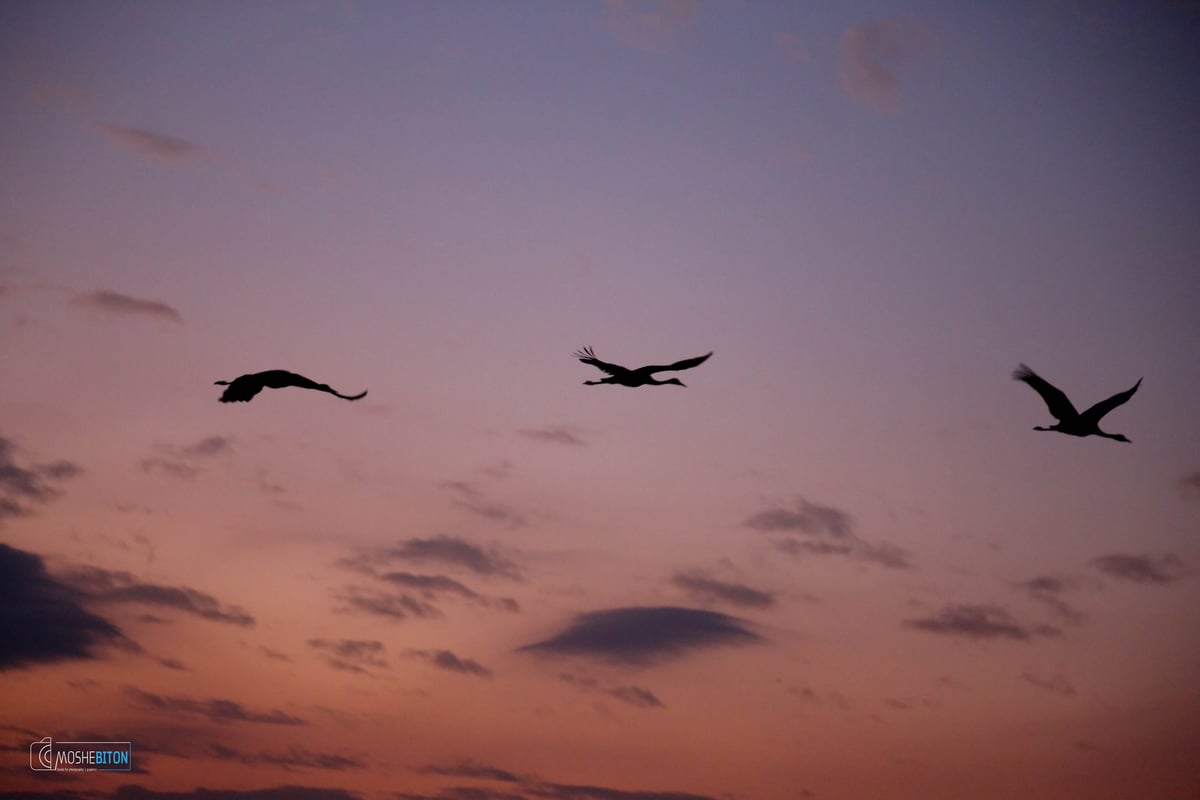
[
  {"x": 642, "y": 376},
  {"x": 243, "y": 389},
  {"x": 1070, "y": 421}
]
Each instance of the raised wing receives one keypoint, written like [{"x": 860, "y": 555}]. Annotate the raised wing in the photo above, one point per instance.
[
  {"x": 588, "y": 357},
  {"x": 1096, "y": 412},
  {"x": 687, "y": 363},
  {"x": 1060, "y": 407}
]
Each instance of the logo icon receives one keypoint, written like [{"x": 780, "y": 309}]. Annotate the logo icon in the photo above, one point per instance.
[
  {"x": 41, "y": 755},
  {"x": 46, "y": 756}
]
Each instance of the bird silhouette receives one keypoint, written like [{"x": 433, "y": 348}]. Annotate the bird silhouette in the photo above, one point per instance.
[
  {"x": 642, "y": 376},
  {"x": 1071, "y": 421},
  {"x": 243, "y": 389}
]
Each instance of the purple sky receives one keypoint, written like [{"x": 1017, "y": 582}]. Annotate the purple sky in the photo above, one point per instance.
[{"x": 839, "y": 564}]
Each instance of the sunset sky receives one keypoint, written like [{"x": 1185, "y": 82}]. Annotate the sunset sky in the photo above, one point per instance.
[{"x": 838, "y": 565}]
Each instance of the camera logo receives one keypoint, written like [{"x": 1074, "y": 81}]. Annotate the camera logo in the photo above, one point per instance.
[
  {"x": 41, "y": 755},
  {"x": 46, "y": 756}
]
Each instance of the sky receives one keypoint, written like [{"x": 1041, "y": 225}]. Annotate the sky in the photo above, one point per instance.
[{"x": 839, "y": 564}]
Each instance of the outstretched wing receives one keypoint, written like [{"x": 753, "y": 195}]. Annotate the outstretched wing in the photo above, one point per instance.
[
  {"x": 1060, "y": 407},
  {"x": 687, "y": 363},
  {"x": 241, "y": 390},
  {"x": 588, "y": 357},
  {"x": 1096, "y": 412}
]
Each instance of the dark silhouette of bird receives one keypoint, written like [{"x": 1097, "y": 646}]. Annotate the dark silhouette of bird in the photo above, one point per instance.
[
  {"x": 1071, "y": 421},
  {"x": 642, "y": 376},
  {"x": 243, "y": 389}
]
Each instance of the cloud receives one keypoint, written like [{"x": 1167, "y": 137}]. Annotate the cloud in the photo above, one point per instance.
[
  {"x": 822, "y": 531},
  {"x": 811, "y": 696},
  {"x": 806, "y": 517},
  {"x": 446, "y": 660},
  {"x": 1047, "y": 590},
  {"x": 648, "y": 25},
  {"x": 473, "y": 500},
  {"x": 471, "y": 769},
  {"x": 351, "y": 655},
  {"x": 556, "y": 434},
  {"x": 292, "y": 758},
  {"x": 433, "y": 586},
  {"x": 214, "y": 709},
  {"x": 872, "y": 52},
  {"x": 135, "y": 792},
  {"x": 448, "y": 550},
  {"x": 1053, "y": 683},
  {"x": 636, "y": 696},
  {"x": 107, "y": 586},
  {"x": 1141, "y": 569},
  {"x": 979, "y": 622},
  {"x": 704, "y": 588},
  {"x": 116, "y": 303},
  {"x": 41, "y": 619},
  {"x": 1189, "y": 486},
  {"x": 152, "y": 145},
  {"x": 641, "y": 635},
  {"x": 632, "y": 695},
  {"x": 529, "y": 786},
  {"x": 22, "y": 486},
  {"x": 390, "y": 606},
  {"x": 182, "y": 461}
]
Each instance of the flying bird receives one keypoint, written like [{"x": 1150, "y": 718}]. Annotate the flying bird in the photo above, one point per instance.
[
  {"x": 1071, "y": 421},
  {"x": 642, "y": 376},
  {"x": 243, "y": 389}
]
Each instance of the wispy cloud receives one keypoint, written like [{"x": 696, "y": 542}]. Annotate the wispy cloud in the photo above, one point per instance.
[
  {"x": 1056, "y": 684},
  {"x": 152, "y": 145},
  {"x": 292, "y": 758},
  {"x": 556, "y": 434},
  {"x": 811, "y": 696},
  {"x": 41, "y": 619},
  {"x": 183, "y": 461},
  {"x": 528, "y": 786},
  {"x": 641, "y": 635},
  {"x": 112, "y": 302},
  {"x": 107, "y": 586},
  {"x": 812, "y": 529},
  {"x": 21, "y": 486},
  {"x": 214, "y": 709},
  {"x": 351, "y": 655},
  {"x": 1189, "y": 486},
  {"x": 1141, "y": 568},
  {"x": 443, "y": 549},
  {"x": 390, "y": 606},
  {"x": 704, "y": 588},
  {"x": 648, "y": 25},
  {"x": 448, "y": 661},
  {"x": 636, "y": 696},
  {"x": 473, "y": 500},
  {"x": 871, "y": 54},
  {"x": 979, "y": 622},
  {"x": 434, "y": 586},
  {"x": 1048, "y": 590},
  {"x": 470, "y": 769}
]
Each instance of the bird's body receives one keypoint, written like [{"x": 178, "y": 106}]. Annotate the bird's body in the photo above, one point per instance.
[
  {"x": 642, "y": 376},
  {"x": 1070, "y": 421},
  {"x": 243, "y": 389}
]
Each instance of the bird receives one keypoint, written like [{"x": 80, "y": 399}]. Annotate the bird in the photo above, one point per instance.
[
  {"x": 642, "y": 376},
  {"x": 1070, "y": 421},
  {"x": 243, "y": 389}
]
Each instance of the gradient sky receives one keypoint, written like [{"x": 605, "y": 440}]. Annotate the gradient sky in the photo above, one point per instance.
[{"x": 838, "y": 565}]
